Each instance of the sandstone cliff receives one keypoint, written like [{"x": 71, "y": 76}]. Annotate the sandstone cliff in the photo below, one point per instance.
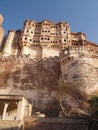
[{"x": 35, "y": 79}]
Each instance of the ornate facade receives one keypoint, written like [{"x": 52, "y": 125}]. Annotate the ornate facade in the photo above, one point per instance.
[{"x": 43, "y": 39}]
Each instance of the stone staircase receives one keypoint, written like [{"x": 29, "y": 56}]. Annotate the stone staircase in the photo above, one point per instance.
[{"x": 10, "y": 125}]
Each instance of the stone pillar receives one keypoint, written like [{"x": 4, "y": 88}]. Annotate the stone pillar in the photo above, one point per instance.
[
  {"x": 8, "y": 44},
  {"x": 1, "y": 29},
  {"x": 4, "y": 111},
  {"x": 20, "y": 110}
]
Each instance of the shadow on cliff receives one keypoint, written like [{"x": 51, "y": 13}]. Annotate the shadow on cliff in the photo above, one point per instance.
[
  {"x": 36, "y": 74},
  {"x": 27, "y": 74}
]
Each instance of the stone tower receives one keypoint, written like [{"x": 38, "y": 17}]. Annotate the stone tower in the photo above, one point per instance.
[
  {"x": 25, "y": 41},
  {"x": 1, "y": 29},
  {"x": 8, "y": 43}
]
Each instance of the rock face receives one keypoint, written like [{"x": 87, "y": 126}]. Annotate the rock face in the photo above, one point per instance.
[{"x": 35, "y": 79}]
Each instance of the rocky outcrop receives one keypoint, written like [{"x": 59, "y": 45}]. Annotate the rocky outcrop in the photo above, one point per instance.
[{"x": 35, "y": 79}]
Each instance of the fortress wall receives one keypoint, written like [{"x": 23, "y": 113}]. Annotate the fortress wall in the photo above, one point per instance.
[
  {"x": 50, "y": 52},
  {"x": 35, "y": 52}
]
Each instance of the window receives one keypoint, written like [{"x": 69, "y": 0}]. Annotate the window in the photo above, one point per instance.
[
  {"x": 25, "y": 38},
  {"x": 27, "y": 30},
  {"x": 30, "y": 39},
  {"x": 31, "y": 32}
]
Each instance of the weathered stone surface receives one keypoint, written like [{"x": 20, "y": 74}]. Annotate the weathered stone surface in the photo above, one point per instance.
[
  {"x": 80, "y": 69},
  {"x": 36, "y": 79}
]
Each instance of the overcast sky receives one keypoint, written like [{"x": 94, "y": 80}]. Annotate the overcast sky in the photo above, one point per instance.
[{"x": 82, "y": 15}]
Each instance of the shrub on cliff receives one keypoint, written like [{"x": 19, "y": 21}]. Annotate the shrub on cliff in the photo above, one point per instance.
[
  {"x": 52, "y": 109},
  {"x": 94, "y": 113}
]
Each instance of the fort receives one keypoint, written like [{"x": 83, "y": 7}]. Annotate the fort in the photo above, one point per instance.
[{"x": 35, "y": 57}]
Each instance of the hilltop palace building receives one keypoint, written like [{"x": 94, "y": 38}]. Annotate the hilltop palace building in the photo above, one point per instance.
[{"x": 42, "y": 39}]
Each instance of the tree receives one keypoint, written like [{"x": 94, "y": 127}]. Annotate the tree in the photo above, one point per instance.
[
  {"x": 93, "y": 111},
  {"x": 74, "y": 94},
  {"x": 63, "y": 89},
  {"x": 94, "y": 107}
]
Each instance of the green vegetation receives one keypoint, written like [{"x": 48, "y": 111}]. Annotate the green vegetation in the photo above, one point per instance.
[
  {"x": 72, "y": 99},
  {"x": 52, "y": 109},
  {"x": 94, "y": 112},
  {"x": 94, "y": 107},
  {"x": 63, "y": 90}
]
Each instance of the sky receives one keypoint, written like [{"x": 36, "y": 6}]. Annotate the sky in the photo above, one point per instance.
[{"x": 82, "y": 15}]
